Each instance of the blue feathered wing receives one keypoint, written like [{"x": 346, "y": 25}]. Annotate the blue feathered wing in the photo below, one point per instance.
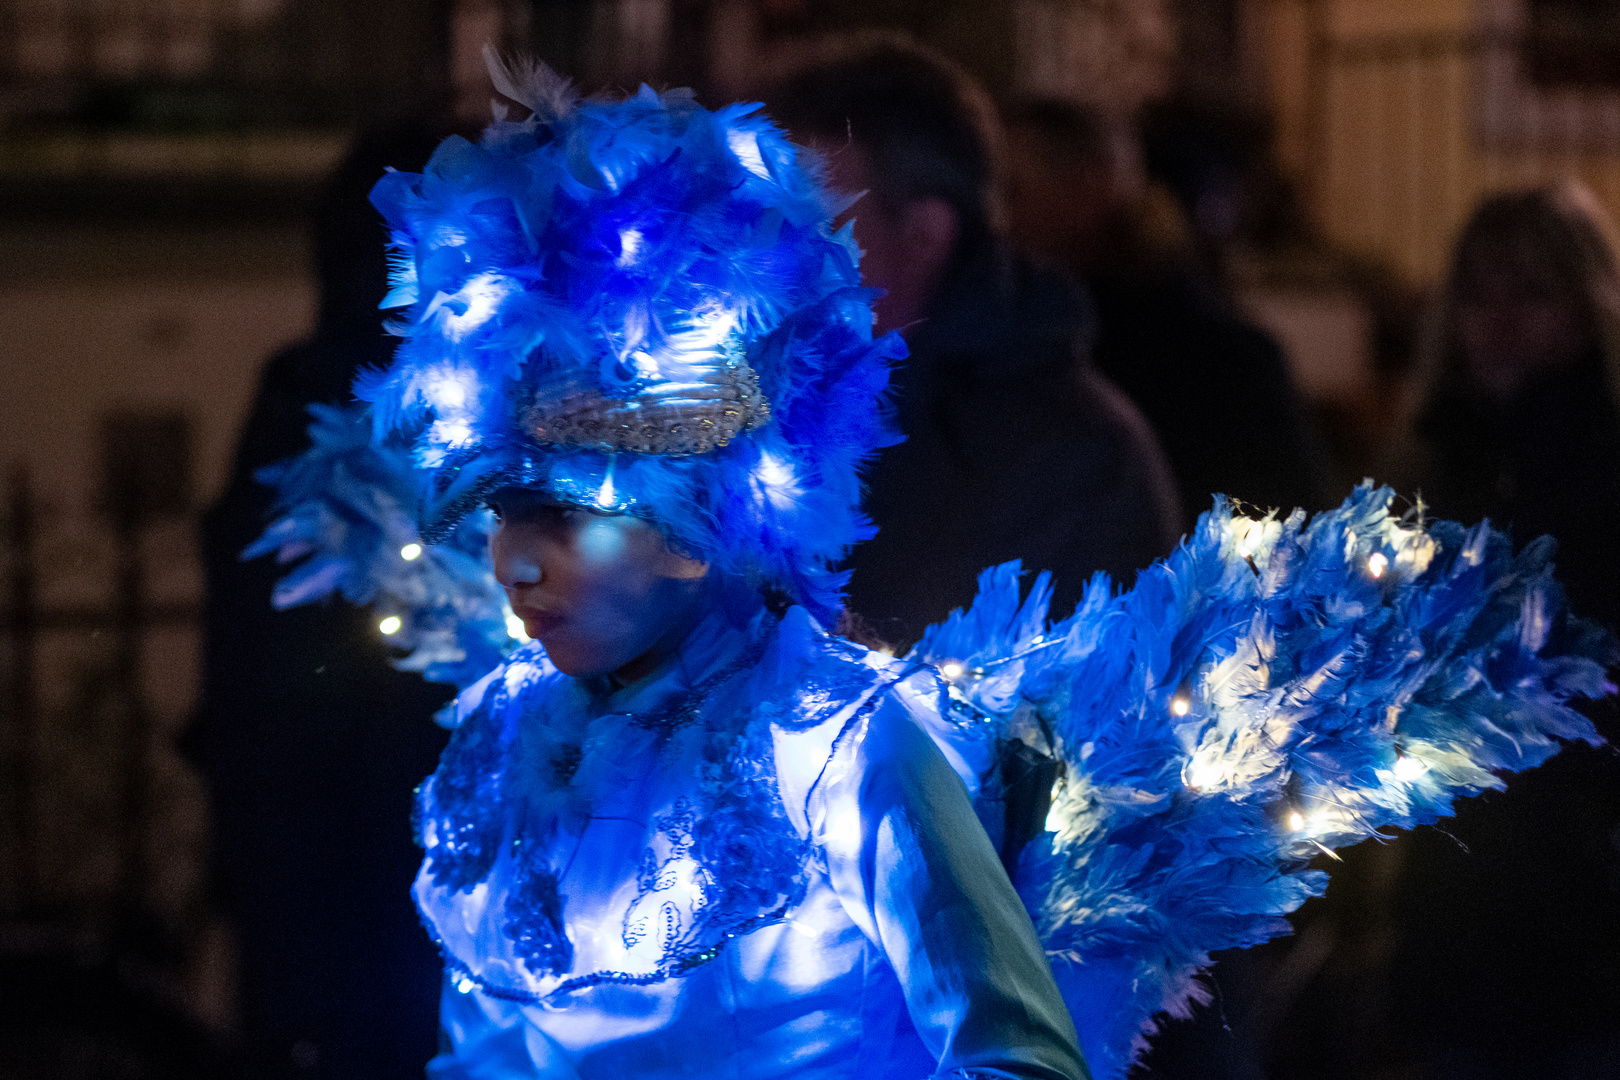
[
  {"x": 346, "y": 517},
  {"x": 1273, "y": 690}
]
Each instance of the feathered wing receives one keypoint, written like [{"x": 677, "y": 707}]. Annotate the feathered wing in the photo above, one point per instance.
[
  {"x": 1273, "y": 690},
  {"x": 346, "y": 519}
]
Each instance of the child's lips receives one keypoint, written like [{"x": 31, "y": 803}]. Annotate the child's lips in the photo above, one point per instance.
[{"x": 539, "y": 623}]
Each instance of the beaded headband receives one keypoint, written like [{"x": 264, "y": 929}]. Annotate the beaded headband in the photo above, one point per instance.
[{"x": 671, "y": 419}]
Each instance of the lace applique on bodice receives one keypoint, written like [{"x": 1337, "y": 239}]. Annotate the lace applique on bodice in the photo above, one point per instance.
[{"x": 539, "y": 881}]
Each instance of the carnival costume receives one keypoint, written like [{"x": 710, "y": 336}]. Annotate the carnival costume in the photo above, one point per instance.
[{"x": 766, "y": 858}]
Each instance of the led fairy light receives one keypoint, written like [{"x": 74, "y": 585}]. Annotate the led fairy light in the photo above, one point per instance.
[
  {"x": 607, "y": 498},
  {"x": 1409, "y": 769},
  {"x": 1203, "y": 775}
]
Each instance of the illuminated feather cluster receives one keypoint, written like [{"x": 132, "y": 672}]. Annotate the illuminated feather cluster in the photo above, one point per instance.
[
  {"x": 624, "y": 249},
  {"x": 1271, "y": 691},
  {"x": 346, "y": 517}
]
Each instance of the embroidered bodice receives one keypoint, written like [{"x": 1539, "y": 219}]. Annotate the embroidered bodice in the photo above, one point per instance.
[{"x": 753, "y": 863}]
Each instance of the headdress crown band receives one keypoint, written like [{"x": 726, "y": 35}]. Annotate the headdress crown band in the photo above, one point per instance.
[{"x": 674, "y": 419}]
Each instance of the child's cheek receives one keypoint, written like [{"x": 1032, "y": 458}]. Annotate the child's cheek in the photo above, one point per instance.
[{"x": 601, "y": 541}]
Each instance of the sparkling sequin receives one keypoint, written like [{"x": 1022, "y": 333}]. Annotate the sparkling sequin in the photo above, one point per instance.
[
  {"x": 459, "y": 813},
  {"x": 534, "y": 920}
]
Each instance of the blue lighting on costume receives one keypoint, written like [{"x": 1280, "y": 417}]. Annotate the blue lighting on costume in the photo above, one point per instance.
[
  {"x": 1303, "y": 675},
  {"x": 1312, "y": 679},
  {"x": 629, "y": 247},
  {"x": 720, "y": 258},
  {"x": 470, "y": 307}
]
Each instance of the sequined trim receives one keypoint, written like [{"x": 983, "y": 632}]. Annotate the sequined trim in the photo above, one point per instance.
[
  {"x": 459, "y": 813},
  {"x": 739, "y": 863},
  {"x": 688, "y": 707},
  {"x": 534, "y": 920}
]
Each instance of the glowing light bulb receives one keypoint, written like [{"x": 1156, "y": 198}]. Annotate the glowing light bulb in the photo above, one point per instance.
[
  {"x": 410, "y": 552},
  {"x": 390, "y": 625},
  {"x": 1377, "y": 563},
  {"x": 951, "y": 669},
  {"x": 1202, "y": 774},
  {"x": 1408, "y": 769},
  {"x": 1296, "y": 821},
  {"x": 451, "y": 432},
  {"x": 777, "y": 481},
  {"x": 745, "y": 144},
  {"x": 479, "y": 298},
  {"x": 1180, "y": 705},
  {"x": 607, "y": 496},
  {"x": 1252, "y": 535},
  {"x": 514, "y": 628}
]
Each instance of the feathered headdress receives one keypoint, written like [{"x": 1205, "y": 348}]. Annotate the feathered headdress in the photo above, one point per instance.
[{"x": 641, "y": 306}]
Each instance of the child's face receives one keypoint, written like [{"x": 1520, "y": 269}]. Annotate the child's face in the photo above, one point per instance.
[{"x": 602, "y": 592}]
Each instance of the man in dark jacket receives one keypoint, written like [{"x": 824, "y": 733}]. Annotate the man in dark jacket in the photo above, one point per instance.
[
  {"x": 1015, "y": 446},
  {"x": 1216, "y": 388}
]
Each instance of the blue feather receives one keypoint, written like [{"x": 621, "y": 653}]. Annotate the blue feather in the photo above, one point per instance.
[
  {"x": 1272, "y": 690},
  {"x": 345, "y": 520},
  {"x": 601, "y": 243}
]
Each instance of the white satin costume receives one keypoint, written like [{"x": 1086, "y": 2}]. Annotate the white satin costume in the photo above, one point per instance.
[{"x": 754, "y": 864}]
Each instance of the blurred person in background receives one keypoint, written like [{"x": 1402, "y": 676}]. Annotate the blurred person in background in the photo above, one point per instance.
[
  {"x": 1005, "y": 418},
  {"x": 1216, "y": 388},
  {"x": 1519, "y": 419},
  {"x": 310, "y": 742},
  {"x": 1509, "y": 962}
]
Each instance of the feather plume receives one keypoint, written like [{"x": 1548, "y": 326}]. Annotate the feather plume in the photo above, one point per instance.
[
  {"x": 345, "y": 525},
  {"x": 610, "y": 246},
  {"x": 1272, "y": 690}
]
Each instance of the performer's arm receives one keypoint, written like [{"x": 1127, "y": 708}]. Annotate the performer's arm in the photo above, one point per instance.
[{"x": 918, "y": 874}]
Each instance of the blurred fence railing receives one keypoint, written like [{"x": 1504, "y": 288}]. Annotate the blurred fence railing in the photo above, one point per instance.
[{"x": 89, "y": 828}]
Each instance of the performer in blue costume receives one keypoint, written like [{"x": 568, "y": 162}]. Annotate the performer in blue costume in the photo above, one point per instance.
[{"x": 686, "y": 830}]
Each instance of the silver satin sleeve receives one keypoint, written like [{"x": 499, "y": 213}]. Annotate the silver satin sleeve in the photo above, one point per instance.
[{"x": 916, "y": 872}]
